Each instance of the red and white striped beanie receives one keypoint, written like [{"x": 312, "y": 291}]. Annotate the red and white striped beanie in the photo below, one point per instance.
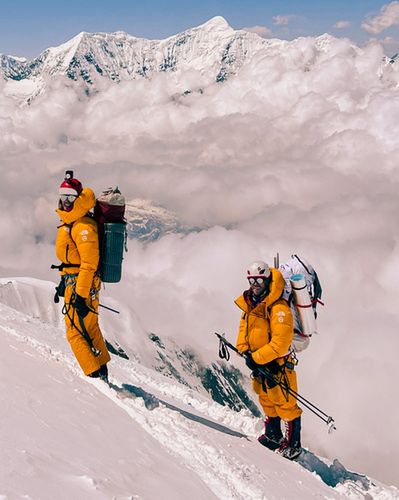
[{"x": 71, "y": 186}]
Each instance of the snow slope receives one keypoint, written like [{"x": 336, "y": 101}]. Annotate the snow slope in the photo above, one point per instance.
[{"x": 67, "y": 436}]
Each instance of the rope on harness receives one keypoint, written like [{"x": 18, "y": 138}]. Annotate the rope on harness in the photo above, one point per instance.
[
  {"x": 83, "y": 331},
  {"x": 70, "y": 280}
]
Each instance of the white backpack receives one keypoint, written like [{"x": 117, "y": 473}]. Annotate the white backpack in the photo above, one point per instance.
[{"x": 303, "y": 292}]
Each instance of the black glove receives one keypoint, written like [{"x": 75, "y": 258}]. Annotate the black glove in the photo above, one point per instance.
[
  {"x": 80, "y": 306},
  {"x": 250, "y": 362},
  {"x": 59, "y": 290}
]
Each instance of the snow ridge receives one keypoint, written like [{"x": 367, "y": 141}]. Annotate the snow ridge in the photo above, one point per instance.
[{"x": 150, "y": 421}]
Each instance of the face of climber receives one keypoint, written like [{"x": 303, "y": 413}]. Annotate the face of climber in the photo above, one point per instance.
[
  {"x": 67, "y": 201},
  {"x": 259, "y": 276},
  {"x": 70, "y": 189},
  {"x": 258, "y": 285}
]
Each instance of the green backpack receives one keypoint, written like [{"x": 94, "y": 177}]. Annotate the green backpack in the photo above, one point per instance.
[{"x": 109, "y": 213}]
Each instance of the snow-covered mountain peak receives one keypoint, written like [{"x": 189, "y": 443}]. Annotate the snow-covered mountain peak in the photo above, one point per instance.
[
  {"x": 122, "y": 34},
  {"x": 217, "y": 22},
  {"x": 59, "y": 58},
  {"x": 324, "y": 41},
  {"x": 147, "y": 221}
]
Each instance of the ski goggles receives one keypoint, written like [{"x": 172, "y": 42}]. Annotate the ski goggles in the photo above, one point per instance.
[
  {"x": 258, "y": 280},
  {"x": 68, "y": 197}
]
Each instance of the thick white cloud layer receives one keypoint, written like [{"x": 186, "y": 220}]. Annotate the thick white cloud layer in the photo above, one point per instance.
[{"x": 299, "y": 153}]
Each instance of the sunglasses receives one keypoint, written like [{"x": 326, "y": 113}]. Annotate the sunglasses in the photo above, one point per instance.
[
  {"x": 68, "y": 197},
  {"x": 259, "y": 281}
]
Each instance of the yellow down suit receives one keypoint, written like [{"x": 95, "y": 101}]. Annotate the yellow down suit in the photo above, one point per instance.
[
  {"x": 267, "y": 331},
  {"x": 77, "y": 243}
]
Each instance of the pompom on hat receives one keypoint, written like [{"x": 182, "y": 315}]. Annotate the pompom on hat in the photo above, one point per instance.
[{"x": 70, "y": 185}]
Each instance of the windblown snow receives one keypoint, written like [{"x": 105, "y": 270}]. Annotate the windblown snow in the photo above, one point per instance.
[{"x": 67, "y": 436}]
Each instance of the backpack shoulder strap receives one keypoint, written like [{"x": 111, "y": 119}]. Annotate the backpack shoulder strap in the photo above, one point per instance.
[{"x": 317, "y": 290}]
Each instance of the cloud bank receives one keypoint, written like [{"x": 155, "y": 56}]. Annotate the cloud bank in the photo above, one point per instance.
[
  {"x": 262, "y": 31},
  {"x": 388, "y": 16},
  {"x": 298, "y": 153}
]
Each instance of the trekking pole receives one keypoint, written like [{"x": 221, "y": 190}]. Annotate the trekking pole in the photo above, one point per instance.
[
  {"x": 109, "y": 308},
  {"x": 223, "y": 353},
  {"x": 263, "y": 370}
]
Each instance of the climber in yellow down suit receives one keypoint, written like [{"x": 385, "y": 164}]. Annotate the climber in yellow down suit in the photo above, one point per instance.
[
  {"x": 265, "y": 335},
  {"x": 77, "y": 247}
]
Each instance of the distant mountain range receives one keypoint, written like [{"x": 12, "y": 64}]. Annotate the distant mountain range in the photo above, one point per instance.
[{"x": 214, "y": 49}]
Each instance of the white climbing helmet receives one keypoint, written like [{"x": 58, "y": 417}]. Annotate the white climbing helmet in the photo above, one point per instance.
[{"x": 258, "y": 269}]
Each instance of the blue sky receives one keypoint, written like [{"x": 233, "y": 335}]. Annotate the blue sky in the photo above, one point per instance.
[{"x": 27, "y": 27}]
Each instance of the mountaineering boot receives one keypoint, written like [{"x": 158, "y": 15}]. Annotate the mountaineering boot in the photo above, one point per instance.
[
  {"x": 291, "y": 446},
  {"x": 272, "y": 438},
  {"x": 102, "y": 373}
]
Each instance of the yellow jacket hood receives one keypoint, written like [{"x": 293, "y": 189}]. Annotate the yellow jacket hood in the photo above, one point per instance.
[
  {"x": 83, "y": 203},
  {"x": 276, "y": 289}
]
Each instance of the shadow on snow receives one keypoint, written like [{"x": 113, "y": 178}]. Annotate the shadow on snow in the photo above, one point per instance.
[
  {"x": 151, "y": 402},
  {"x": 332, "y": 474}
]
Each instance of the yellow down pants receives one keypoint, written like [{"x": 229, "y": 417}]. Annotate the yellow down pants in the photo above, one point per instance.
[
  {"x": 274, "y": 401},
  {"x": 80, "y": 347}
]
